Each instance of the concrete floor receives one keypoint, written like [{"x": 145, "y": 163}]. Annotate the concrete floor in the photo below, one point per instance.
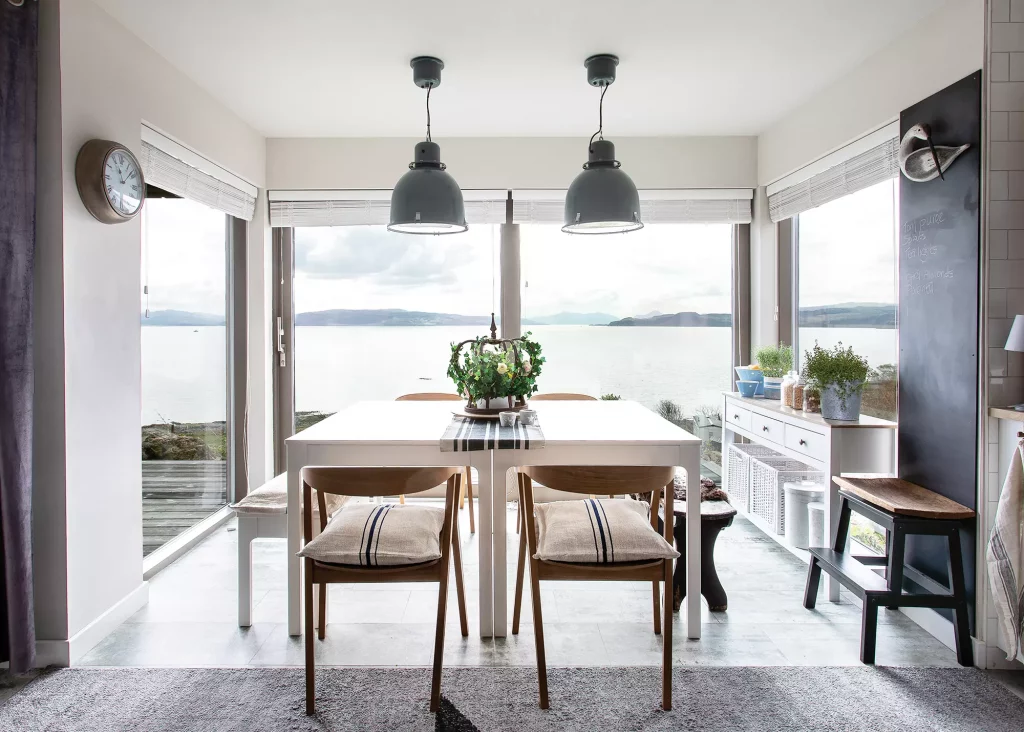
[{"x": 191, "y": 618}]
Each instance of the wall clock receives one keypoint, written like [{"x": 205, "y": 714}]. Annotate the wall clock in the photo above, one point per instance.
[{"x": 110, "y": 181}]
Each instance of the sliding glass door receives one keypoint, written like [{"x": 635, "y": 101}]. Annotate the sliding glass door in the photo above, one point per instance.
[
  {"x": 184, "y": 366},
  {"x": 376, "y": 312}
]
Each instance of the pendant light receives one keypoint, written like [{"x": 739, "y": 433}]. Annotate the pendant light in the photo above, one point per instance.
[
  {"x": 602, "y": 199},
  {"x": 427, "y": 200}
]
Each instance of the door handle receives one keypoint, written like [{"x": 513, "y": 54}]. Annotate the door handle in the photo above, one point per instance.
[{"x": 280, "y": 342}]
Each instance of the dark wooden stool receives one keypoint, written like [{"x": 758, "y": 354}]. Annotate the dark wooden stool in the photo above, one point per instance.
[
  {"x": 902, "y": 508},
  {"x": 714, "y": 516}
]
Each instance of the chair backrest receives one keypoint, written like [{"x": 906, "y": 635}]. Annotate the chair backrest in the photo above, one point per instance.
[
  {"x": 429, "y": 396},
  {"x": 600, "y": 479},
  {"x": 563, "y": 396},
  {"x": 367, "y": 482}
]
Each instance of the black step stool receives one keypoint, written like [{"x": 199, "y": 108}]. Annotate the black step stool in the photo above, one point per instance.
[{"x": 902, "y": 508}]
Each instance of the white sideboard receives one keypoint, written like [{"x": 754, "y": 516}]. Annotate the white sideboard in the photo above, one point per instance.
[{"x": 865, "y": 446}]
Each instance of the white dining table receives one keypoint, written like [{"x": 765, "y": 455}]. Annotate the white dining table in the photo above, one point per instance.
[{"x": 575, "y": 432}]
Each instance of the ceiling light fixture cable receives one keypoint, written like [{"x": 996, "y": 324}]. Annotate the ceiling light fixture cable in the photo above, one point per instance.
[
  {"x": 429, "y": 87},
  {"x": 600, "y": 119}
]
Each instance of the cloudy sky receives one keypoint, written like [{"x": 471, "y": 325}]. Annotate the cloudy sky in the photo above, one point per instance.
[{"x": 846, "y": 255}]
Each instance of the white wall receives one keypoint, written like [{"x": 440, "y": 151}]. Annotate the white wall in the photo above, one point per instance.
[
  {"x": 945, "y": 47},
  {"x": 522, "y": 162},
  {"x": 92, "y": 269}
]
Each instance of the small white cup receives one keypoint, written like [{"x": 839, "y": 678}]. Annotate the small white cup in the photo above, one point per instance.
[
  {"x": 507, "y": 419},
  {"x": 528, "y": 416}
]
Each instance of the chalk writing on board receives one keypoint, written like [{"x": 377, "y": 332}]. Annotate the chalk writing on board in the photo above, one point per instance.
[{"x": 923, "y": 282}]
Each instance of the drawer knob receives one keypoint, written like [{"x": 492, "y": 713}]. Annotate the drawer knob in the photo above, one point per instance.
[
  {"x": 765, "y": 428},
  {"x": 803, "y": 443},
  {"x": 735, "y": 416}
]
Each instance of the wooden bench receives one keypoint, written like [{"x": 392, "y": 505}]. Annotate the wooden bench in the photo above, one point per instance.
[{"x": 903, "y": 508}]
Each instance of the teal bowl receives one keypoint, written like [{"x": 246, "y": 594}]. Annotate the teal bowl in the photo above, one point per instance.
[
  {"x": 757, "y": 375},
  {"x": 747, "y": 388}
]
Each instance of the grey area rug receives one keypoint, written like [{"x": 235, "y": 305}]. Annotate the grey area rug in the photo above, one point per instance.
[{"x": 747, "y": 698}]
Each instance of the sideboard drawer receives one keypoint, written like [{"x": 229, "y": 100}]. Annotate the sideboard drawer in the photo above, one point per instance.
[
  {"x": 767, "y": 428},
  {"x": 737, "y": 416},
  {"x": 809, "y": 443}
]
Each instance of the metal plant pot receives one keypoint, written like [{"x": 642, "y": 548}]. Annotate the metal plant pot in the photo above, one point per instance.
[{"x": 833, "y": 406}]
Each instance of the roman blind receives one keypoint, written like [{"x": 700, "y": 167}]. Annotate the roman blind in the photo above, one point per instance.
[
  {"x": 368, "y": 207},
  {"x": 169, "y": 165},
  {"x": 863, "y": 163},
  {"x": 681, "y": 206}
]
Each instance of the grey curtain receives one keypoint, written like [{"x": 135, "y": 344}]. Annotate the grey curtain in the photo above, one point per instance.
[{"x": 18, "y": 37}]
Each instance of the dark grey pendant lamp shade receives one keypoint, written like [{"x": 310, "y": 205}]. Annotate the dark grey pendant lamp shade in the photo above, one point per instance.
[
  {"x": 602, "y": 199},
  {"x": 427, "y": 200}
]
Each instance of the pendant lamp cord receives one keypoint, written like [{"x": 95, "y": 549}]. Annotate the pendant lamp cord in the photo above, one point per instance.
[
  {"x": 429, "y": 87},
  {"x": 600, "y": 119}
]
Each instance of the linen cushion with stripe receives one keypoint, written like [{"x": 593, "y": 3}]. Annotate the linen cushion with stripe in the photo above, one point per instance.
[
  {"x": 272, "y": 498},
  {"x": 598, "y": 531},
  {"x": 379, "y": 535}
]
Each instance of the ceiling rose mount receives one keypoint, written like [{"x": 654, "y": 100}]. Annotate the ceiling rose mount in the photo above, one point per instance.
[
  {"x": 602, "y": 199},
  {"x": 427, "y": 200}
]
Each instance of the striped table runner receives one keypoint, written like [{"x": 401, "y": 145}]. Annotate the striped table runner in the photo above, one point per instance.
[{"x": 466, "y": 434}]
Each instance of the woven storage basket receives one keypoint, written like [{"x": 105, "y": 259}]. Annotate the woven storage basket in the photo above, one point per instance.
[
  {"x": 739, "y": 471},
  {"x": 767, "y": 477}
]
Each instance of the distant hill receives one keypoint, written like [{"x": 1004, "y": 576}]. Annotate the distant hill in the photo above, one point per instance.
[
  {"x": 387, "y": 317},
  {"x": 181, "y": 317},
  {"x": 684, "y": 320},
  {"x": 849, "y": 315},
  {"x": 570, "y": 319}
]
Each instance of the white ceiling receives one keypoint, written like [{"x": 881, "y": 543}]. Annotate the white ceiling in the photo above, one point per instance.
[{"x": 334, "y": 68}]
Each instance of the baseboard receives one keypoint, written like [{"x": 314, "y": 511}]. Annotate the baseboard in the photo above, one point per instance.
[
  {"x": 181, "y": 544},
  {"x": 68, "y": 652}
]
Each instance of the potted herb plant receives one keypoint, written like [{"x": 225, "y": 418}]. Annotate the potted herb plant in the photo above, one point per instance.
[
  {"x": 839, "y": 374},
  {"x": 495, "y": 374},
  {"x": 774, "y": 361}
]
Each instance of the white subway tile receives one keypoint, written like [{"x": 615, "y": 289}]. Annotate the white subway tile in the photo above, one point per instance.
[
  {"x": 1015, "y": 244},
  {"x": 997, "y": 302},
  {"x": 1006, "y": 96},
  {"x": 1005, "y": 214},
  {"x": 1007, "y": 156},
  {"x": 1000, "y": 11},
  {"x": 1016, "y": 67},
  {"x": 999, "y": 185},
  {"x": 998, "y": 277},
  {"x": 997, "y": 362},
  {"x": 1015, "y": 185},
  {"x": 998, "y": 244},
  {"x": 1007, "y": 37},
  {"x": 999, "y": 65},
  {"x": 1016, "y": 11},
  {"x": 999, "y": 126},
  {"x": 1014, "y": 363}
]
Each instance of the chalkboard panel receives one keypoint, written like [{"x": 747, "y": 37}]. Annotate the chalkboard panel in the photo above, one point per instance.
[{"x": 938, "y": 319}]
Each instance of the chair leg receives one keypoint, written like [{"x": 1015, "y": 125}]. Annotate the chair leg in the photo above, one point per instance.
[
  {"x": 666, "y": 642},
  {"x": 961, "y": 627},
  {"x": 517, "y": 608},
  {"x": 310, "y": 668},
  {"x": 657, "y": 606},
  {"x": 538, "y": 635},
  {"x": 247, "y": 529},
  {"x": 322, "y": 614},
  {"x": 469, "y": 498},
  {"x": 442, "y": 606},
  {"x": 460, "y": 589},
  {"x": 401, "y": 499},
  {"x": 519, "y": 516}
]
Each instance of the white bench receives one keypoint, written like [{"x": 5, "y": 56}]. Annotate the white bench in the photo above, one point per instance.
[{"x": 263, "y": 514}]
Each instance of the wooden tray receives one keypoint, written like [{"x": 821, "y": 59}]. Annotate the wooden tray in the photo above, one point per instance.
[{"x": 475, "y": 415}]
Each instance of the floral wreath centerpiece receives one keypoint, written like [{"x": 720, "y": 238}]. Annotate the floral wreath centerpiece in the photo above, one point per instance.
[{"x": 495, "y": 374}]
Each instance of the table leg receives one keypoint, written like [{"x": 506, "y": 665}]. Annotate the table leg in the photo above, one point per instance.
[
  {"x": 502, "y": 463},
  {"x": 296, "y": 459},
  {"x": 690, "y": 462},
  {"x": 481, "y": 460}
]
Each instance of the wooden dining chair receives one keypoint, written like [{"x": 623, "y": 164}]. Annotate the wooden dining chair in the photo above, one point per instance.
[
  {"x": 373, "y": 482},
  {"x": 467, "y": 492},
  {"x": 601, "y": 481}
]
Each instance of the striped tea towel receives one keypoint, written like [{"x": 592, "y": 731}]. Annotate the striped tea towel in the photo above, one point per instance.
[
  {"x": 466, "y": 434},
  {"x": 1005, "y": 556}
]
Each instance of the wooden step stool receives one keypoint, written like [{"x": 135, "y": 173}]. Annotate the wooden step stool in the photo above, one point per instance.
[{"x": 902, "y": 508}]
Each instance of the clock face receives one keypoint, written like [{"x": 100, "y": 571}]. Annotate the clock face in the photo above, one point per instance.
[{"x": 122, "y": 182}]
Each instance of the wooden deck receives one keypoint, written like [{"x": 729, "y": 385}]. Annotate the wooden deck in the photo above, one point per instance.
[{"x": 178, "y": 494}]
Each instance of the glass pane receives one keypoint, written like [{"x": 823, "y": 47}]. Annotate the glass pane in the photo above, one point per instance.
[
  {"x": 645, "y": 316},
  {"x": 847, "y": 285},
  {"x": 184, "y": 371},
  {"x": 377, "y": 311}
]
